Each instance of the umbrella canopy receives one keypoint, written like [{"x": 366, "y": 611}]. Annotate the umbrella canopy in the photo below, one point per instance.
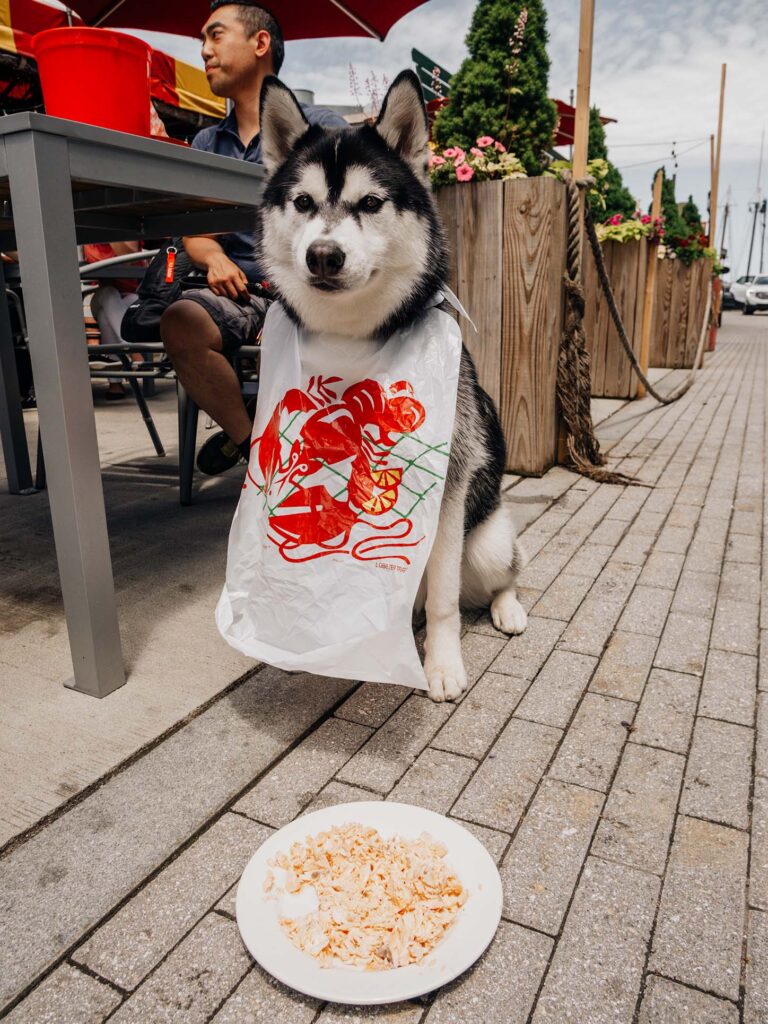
[
  {"x": 175, "y": 85},
  {"x": 21, "y": 19},
  {"x": 566, "y": 119},
  {"x": 314, "y": 19}
]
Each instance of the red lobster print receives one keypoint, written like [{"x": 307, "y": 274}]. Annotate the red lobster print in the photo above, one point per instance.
[{"x": 350, "y": 436}]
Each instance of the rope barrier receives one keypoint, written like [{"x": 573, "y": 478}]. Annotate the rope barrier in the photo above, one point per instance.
[
  {"x": 602, "y": 274},
  {"x": 574, "y": 384}
]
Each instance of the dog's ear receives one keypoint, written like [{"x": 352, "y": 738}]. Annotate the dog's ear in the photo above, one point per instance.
[
  {"x": 403, "y": 124},
  {"x": 282, "y": 122}
]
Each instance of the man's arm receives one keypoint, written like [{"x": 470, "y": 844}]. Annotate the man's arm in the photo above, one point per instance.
[
  {"x": 123, "y": 248},
  {"x": 224, "y": 276}
]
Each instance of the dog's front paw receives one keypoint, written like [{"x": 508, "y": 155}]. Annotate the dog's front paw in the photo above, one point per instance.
[
  {"x": 508, "y": 614},
  {"x": 446, "y": 680}
]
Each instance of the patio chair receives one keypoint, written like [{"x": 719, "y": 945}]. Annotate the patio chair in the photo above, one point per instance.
[{"x": 122, "y": 367}]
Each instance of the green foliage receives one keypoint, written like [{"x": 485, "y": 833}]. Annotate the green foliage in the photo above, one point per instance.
[
  {"x": 683, "y": 236},
  {"x": 626, "y": 230},
  {"x": 501, "y": 89},
  {"x": 618, "y": 198},
  {"x": 691, "y": 216},
  {"x": 674, "y": 226},
  {"x": 597, "y": 169}
]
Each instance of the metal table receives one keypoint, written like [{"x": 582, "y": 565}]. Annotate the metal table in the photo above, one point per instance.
[{"x": 62, "y": 184}]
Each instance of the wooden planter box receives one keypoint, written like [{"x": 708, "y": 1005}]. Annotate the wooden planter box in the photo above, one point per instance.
[
  {"x": 508, "y": 242},
  {"x": 679, "y": 307},
  {"x": 627, "y": 265}
]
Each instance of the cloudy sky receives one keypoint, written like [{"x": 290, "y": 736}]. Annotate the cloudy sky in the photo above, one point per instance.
[{"x": 656, "y": 69}]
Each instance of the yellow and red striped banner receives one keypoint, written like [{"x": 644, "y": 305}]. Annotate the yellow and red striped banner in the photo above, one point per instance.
[{"x": 182, "y": 85}]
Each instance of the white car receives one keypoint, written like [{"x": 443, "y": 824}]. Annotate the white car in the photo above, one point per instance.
[
  {"x": 739, "y": 288},
  {"x": 756, "y": 296}
]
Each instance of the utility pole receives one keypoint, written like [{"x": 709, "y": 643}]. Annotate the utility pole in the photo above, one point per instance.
[
  {"x": 726, "y": 211},
  {"x": 756, "y": 206},
  {"x": 716, "y": 168},
  {"x": 762, "y": 241}
]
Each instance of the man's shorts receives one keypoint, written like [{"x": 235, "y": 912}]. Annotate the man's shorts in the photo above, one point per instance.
[{"x": 238, "y": 322}]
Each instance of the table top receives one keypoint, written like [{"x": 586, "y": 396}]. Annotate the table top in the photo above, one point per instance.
[{"x": 127, "y": 187}]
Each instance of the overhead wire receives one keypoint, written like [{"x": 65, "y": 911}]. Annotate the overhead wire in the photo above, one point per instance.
[
  {"x": 658, "y": 142},
  {"x": 666, "y": 156}
]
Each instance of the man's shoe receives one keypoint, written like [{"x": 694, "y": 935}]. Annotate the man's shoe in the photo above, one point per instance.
[{"x": 218, "y": 454}]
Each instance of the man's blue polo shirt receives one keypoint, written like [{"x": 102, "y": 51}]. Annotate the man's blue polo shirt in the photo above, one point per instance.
[{"x": 222, "y": 138}]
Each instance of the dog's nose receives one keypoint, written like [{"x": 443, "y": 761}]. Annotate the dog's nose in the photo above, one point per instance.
[{"x": 325, "y": 259}]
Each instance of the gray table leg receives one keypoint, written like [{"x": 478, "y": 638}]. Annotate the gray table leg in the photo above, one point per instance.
[
  {"x": 12, "y": 433},
  {"x": 38, "y": 168}
]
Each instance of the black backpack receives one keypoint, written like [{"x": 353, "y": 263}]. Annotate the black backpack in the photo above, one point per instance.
[{"x": 141, "y": 321}]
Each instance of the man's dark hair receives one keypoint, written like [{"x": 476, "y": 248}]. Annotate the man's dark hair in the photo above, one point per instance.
[{"x": 257, "y": 19}]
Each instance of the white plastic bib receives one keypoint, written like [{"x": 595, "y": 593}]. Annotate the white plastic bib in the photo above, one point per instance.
[{"x": 340, "y": 505}]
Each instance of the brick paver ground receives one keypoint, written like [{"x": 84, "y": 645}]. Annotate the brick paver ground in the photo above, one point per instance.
[{"x": 614, "y": 760}]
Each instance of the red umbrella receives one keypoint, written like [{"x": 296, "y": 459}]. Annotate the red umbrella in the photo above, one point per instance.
[{"x": 317, "y": 19}]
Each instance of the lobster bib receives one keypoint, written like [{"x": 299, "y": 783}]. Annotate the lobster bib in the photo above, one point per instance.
[{"x": 340, "y": 505}]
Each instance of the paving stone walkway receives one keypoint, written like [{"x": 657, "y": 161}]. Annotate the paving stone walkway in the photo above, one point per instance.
[{"x": 613, "y": 759}]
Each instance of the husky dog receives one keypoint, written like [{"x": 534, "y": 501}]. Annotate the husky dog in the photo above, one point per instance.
[{"x": 350, "y": 242}]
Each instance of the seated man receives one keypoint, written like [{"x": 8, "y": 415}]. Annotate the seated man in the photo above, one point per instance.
[{"x": 242, "y": 44}]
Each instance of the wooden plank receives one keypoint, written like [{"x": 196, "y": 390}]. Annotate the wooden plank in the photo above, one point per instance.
[
  {"x": 659, "y": 353},
  {"x": 471, "y": 216},
  {"x": 591, "y": 288},
  {"x": 624, "y": 374},
  {"x": 479, "y": 212},
  {"x": 700, "y": 282},
  {"x": 532, "y": 318},
  {"x": 616, "y": 365},
  {"x": 601, "y": 326},
  {"x": 625, "y": 264},
  {"x": 643, "y": 265},
  {"x": 445, "y": 200},
  {"x": 693, "y": 319},
  {"x": 680, "y": 321},
  {"x": 650, "y": 291},
  {"x": 679, "y": 317}
]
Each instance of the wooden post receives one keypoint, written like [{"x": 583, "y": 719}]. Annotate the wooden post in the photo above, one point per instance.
[
  {"x": 650, "y": 286},
  {"x": 716, "y": 169},
  {"x": 583, "y": 83}
]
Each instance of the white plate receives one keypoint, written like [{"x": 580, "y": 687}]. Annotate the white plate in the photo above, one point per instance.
[{"x": 475, "y": 926}]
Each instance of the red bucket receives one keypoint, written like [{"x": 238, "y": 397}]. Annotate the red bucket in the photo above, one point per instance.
[{"x": 95, "y": 76}]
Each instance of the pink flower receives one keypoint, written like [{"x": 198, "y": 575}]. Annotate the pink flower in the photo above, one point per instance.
[
  {"x": 464, "y": 172},
  {"x": 500, "y": 147},
  {"x": 460, "y": 159},
  {"x": 645, "y": 219},
  {"x": 476, "y": 152},
  {"x": 484, "y": 140},
  {"x": 616, "y": 219},
  {"x": 436, "y": 161},
  {"x": 451, "y": 153}
]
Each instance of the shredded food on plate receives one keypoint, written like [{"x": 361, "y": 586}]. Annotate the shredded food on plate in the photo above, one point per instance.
[{"x": 381, "y": 903}]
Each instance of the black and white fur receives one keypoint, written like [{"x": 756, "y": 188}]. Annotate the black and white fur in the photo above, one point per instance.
[{"x": 360, "y": 198}]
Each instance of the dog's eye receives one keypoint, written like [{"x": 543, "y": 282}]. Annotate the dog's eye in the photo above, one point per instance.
[
  {"x": 371, "y": 204},
  {"x": 303, "y": 202}
]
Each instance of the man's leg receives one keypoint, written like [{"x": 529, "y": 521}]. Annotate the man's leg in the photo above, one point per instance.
[
  {"x": 194, "y": 344},
  {"x": 107, "y": 309}
]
